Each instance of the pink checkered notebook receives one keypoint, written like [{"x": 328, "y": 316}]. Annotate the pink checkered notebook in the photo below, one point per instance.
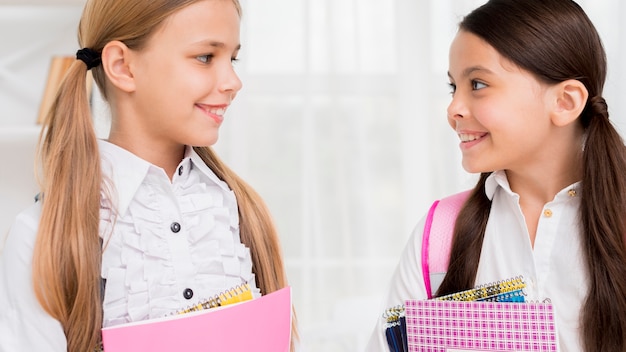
[{"x": 458, "y": 326}]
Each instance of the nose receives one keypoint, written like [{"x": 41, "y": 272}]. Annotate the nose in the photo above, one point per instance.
[
  {"x": 456, "y": 109},
  {"x": 230, "y": 82}
]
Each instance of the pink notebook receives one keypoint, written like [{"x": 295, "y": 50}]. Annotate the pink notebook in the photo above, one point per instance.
[
  {"x": 262, "y": 324},
  {"x": 457, "y": 326}
]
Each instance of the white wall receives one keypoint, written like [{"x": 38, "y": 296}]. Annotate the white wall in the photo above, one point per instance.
[{"x": 30, "y": 36}]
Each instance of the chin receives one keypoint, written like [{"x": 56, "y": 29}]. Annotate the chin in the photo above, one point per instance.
[
  {"x": 206, "y": 144},
  {"x": 204, "y": 140},
  {"x": 473, "y": 169}
]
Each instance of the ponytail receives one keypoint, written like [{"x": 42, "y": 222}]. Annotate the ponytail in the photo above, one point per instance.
[
  {"x": 602, "y": 212},
  {"x": 67, "y": 254}
]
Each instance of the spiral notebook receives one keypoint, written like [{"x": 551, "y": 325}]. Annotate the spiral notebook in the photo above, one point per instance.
[
  {"x": 493, "y": 317},
  {"x": 446, "y": 326},
  {"x": 510, "y": 290}
]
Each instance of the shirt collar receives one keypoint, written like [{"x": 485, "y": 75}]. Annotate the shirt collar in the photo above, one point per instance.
[
  {"x": 495, "y": 180},
  {"x": 124, "y": 172},
  {"x": 199, "y": 164},
  {"x": 498, "y": 179}
]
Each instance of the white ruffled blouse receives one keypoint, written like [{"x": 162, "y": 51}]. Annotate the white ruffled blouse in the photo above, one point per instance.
[{"x": 167, "y": 244}]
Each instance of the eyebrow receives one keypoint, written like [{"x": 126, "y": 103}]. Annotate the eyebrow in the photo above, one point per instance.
[
  {"x": 216, "y": 44},
  {"x": 471, "y": 70}
]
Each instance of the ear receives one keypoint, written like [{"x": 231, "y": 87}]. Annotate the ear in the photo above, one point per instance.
[
  {"x": 571, "y": 98},
  {"x": 116, "y": 57}
]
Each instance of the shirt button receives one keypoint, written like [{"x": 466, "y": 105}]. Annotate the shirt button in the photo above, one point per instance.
[
  {"x": 188, "y": 293},
  {"x": 180, "y": 171},
  {"x": 175, "y": 227},
  {"x": 547, "y": 213}
]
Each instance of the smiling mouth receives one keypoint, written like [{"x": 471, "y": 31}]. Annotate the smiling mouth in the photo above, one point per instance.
[
  {"x": 217, "y": 111},
  {"x": 214, "y": 112},
  {"x": 469, "y": 137},
  {"x": 220, "y": 111}
]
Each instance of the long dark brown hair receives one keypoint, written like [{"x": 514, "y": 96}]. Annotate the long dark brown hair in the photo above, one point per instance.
[{"x": 555, "y": 41}]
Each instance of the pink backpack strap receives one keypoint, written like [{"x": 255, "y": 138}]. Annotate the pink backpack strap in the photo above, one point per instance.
[{"x": 437, "y": 239}]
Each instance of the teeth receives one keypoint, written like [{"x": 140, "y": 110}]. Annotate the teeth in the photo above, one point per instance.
[
  {"x": 468, "y": 137},
  {"x": 219, "y": 111}
]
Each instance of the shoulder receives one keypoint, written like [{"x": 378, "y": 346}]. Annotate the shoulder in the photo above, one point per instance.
[
  {"x": 22, "y": 234},
  {"x": 440, "y": 218},
  {"x": 17, "y": 254},
  {"x": 457, "y": 199},
  {"x": 443, "y": 212},
  {"x": 29, "y": 217},
  {"x": 26, "y": 325}
]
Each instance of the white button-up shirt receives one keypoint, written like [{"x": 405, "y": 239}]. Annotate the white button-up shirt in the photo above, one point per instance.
[
  {"x": 167, "y": 245},
  {"x": 554, "y": 269}
]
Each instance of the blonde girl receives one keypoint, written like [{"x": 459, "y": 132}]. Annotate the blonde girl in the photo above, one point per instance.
[{"x": 149, "y": 220}]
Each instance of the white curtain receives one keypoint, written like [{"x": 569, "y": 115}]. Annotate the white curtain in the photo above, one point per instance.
[{"x": 341, "y": 127}]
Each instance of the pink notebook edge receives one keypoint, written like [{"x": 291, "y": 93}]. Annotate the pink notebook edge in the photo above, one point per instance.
[{"x": 115, "y": 337}]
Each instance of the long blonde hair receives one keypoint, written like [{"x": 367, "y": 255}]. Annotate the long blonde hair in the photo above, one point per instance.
[{"x": 68, "y": 253}]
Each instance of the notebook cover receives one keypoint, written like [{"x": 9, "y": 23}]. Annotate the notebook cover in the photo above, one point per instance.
[
  {"x": 262, "y": 324},
  {"x": 458, "y": 326}
]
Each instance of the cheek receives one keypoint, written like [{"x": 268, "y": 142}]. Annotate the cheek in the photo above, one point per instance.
[
  {"x": 194, "y": 81},
  {"x": 489, "y": 115}
]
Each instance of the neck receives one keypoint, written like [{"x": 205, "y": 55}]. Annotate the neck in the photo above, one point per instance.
[
  {"x": 546, "y": 172},
  {"x": 128, "y": 134},
  {"x": 166, "y": 157}
]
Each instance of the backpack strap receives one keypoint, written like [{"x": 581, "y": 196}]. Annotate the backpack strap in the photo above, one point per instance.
[{"x": 437, "y": 239}]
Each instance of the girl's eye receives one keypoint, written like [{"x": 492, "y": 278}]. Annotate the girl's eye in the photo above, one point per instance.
[
  {"x": 205, "y": 58},
  {"x": 476, "y": 85},
  {"x": 452, "y": 88},
  {"x": 234, "y": 60}
]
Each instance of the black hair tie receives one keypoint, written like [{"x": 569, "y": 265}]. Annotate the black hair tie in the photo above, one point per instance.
[{"x": 90, "y": 57}]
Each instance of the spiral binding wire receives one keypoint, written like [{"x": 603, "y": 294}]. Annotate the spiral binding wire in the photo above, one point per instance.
[
  {"x": 513, "y": 296},
  {"x": 392, "y": 314},
  {"x": 236, "y": 294},
  {"x": 513, "y": 286},
  {"x": 395, "y": 328}
]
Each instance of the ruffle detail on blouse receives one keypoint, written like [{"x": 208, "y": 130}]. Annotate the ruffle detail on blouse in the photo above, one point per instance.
[{"x": 147, "y": 266}]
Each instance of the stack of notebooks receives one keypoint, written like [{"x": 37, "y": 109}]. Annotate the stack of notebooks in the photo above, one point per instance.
[{"x": 494, "y": 317}]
